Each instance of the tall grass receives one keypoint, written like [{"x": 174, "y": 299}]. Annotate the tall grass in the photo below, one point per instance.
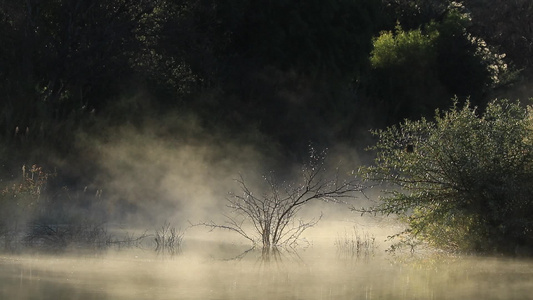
[{"x": 355, "y": 243}]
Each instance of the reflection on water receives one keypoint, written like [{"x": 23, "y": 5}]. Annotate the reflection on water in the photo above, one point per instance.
[{"x": 202, "y": 272}]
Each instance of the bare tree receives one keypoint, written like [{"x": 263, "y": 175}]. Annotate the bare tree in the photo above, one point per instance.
[{"x": 269, "y": 219}]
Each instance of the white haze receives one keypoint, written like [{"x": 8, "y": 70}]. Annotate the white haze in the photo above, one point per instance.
[
  {"x": 171, "y": 170},
  {"x": 150, "y": 176}
]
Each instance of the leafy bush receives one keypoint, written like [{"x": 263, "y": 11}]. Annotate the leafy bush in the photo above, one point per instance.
[
  {"x": 403, "y": 47},
  {"x": 462, "y": 181}
]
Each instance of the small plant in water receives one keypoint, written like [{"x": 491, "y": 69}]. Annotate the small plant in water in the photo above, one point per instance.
[
  {"x": 356, "y": 243},
  {"x": 168, "y": 239}
]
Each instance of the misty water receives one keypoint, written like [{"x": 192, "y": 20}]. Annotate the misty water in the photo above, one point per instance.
[{"x": 207, "y": 267}]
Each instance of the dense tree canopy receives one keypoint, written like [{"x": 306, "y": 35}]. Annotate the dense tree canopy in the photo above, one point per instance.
[
  {"x": 416, "y": 71},
  {"x": 62, "y": 60},
  {"x": 507, "y": 25},
  {"x": 292, "y": 60},
  {"x": 294, "y": 71}
]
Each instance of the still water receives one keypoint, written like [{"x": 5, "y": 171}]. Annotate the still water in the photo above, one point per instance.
[{"x": 204, "y": 270}]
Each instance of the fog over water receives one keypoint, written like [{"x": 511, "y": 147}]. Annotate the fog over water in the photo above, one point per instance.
[
  {"x": 204, "y": 270},
  {"x": 148, "y": 178}
]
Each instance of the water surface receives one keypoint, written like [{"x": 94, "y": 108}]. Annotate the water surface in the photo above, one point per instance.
[{"x": 205, "y": 270}]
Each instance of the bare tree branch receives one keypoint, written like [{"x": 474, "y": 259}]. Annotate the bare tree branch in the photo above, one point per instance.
[{"x": 269, "y": 219}]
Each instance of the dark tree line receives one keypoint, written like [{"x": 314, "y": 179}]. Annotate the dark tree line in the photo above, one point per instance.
[
  {"x": 62, "y": 62},
  {"x": 292, "y": 70}
]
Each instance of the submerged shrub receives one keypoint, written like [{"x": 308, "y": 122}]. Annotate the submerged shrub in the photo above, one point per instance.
[
  {"x": 270, "y": 219},
  {"x": 463, "y": 181},
  {"x": 168, "y": 239}
]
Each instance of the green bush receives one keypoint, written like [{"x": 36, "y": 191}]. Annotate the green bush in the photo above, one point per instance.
[
  {"x": 415, "y": 71},
  {"x": 403, "y": 47},
  {"x": 463, "y": 181}
]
